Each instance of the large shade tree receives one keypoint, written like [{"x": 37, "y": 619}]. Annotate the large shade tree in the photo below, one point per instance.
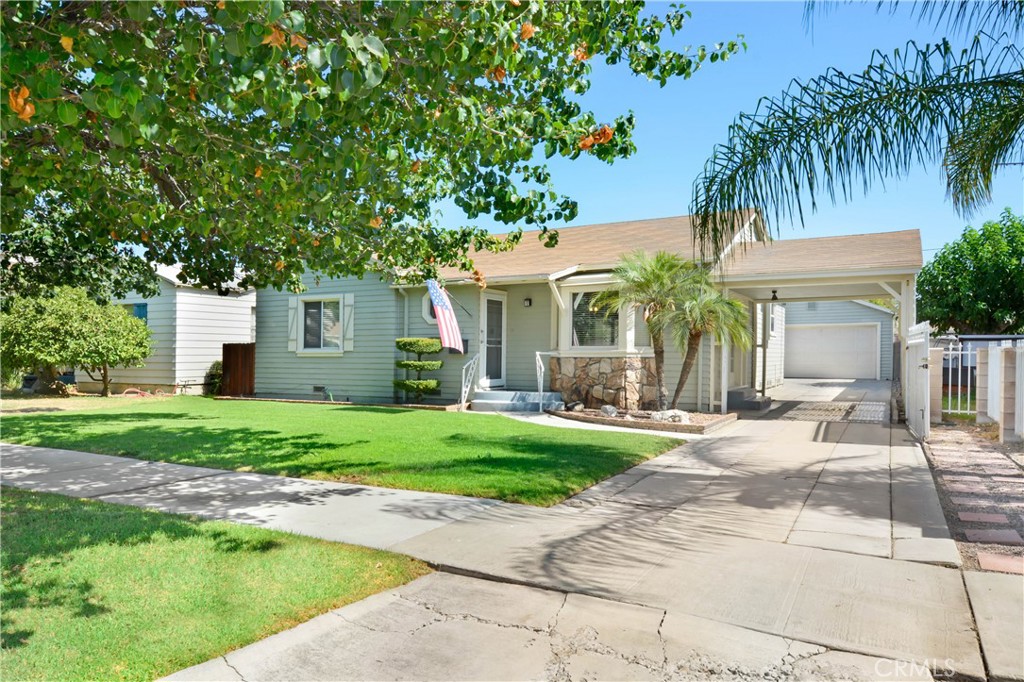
[
  {"x": 840, "y": 132},
  {"x": 975, "y": 285},
  {"x": 270, "y": 137}
]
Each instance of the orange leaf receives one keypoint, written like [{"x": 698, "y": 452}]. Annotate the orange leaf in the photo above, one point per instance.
[
  {"x": 192, "y": 93},
  {"x": 514, "y": 3},
  {"x": 603, "y": 135},
  {"x": 496, "y": 73},
  {"x": 527, "y": 30},
  {"x": 587, "y": 142},
  {"x": 416, "y": 166},
  {"x": 299, "y": 41},
  {"x": 67, "y": 42},
  {"x": 259, "y": 171},
  {"x": 279, "y": 265},
  {"x": 316, "y": 242},
  {"x": 221, "y": 4},
  {"x": 376, "y": 222},
  {"x": 27, "y": 112},
  {"x": 276, "y": 38},
  {"x": 113, "y": 235},
  {"x": 580, "y": 53},
  {"x": 16, "y": 97}
]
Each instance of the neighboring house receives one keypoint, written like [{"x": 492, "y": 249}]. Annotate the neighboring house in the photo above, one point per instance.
[
  {"x": 189, "y": 327},
  {"x": 534, "y": 314},
  {"x": 838, "y": 340}
]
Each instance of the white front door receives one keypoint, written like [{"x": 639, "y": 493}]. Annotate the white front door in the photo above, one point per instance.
[{"x": 492, "y": 340}]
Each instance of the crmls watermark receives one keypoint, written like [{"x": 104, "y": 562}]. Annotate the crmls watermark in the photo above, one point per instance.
[{"x": 891, "y": 669}]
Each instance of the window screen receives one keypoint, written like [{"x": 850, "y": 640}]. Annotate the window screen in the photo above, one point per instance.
[
  {"x": 591, "y": 327},
  {"x": 321, "y": 325}
]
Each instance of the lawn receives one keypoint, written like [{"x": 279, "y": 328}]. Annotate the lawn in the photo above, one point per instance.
[
  {"x": 467, "y": 454},
  {"x": 956, "y": 401},
  {"x": 99, "y": 591}
]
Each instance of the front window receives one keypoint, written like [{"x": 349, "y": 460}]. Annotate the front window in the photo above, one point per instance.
[
  {"x": 322, "y": 325},
  {"x": 593, "y": 327}
]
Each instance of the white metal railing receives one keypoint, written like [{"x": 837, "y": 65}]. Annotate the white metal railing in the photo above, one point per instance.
[
  {"x": 539, "y": 359},
  {"x": 959, "y": 363},
  {"x": 468, "y": 379}
]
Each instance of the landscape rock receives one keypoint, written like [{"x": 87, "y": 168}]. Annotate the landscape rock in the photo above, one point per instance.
[
  {"x": 675, "y": 416},
  {"x": 609, "y": 411},
  {"x": 575, "y": 406}
]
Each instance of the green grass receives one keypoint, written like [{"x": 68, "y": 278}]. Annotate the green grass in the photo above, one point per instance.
[
  {"x": 100, "y": 591},
  {"x": 965, "y": 401},
  {"x": 467, "y": 454}
]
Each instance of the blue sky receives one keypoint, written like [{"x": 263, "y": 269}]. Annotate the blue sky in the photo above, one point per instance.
[{"x": 678, "y": 125}]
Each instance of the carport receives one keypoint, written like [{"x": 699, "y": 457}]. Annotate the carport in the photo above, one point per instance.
[{"x": 845, "y": 268}]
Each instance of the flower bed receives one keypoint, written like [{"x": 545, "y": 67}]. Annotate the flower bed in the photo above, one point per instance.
[{"x": 699, "y": 422}]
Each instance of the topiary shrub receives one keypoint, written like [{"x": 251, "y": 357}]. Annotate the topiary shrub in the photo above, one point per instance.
[{"x": 418, "y": 386}]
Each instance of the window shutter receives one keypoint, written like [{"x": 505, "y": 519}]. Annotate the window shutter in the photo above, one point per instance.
[
  {"x": 348, "y": 326},
  {"x": 293, "y": 323}
]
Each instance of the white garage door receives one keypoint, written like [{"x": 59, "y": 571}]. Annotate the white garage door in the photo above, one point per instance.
[{"x": 832, "y": 351}]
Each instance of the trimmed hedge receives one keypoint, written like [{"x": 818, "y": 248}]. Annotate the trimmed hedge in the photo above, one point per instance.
[
  {"x": 418, "y": 346},
  {"x": 418, "y": 386},
  {"x": 420, "y": 365}
]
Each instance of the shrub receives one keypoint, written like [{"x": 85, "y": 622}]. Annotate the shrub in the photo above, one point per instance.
[
  {"x": 418, "y": 386},
  {"x": 214, "y": 378},
  {"x": 419, "y": 346}
]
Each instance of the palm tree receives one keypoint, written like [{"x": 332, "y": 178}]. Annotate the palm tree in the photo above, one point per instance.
[
  {"x": 832, "y": 133},
  {"x": 701, "y": 309},
  {"x": 652, "y": 284}
]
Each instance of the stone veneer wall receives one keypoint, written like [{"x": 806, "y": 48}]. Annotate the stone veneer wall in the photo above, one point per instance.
[{"x": 627, "y": 383}]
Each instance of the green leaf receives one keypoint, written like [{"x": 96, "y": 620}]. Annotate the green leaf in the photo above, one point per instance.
[
  {"x": 315, "y": 56},
  {"x": 234, "y": 44},
  {"x": 139, "y": 10},
  {"x": 374, "y": 45},
  {"x": 67, "y": 113},
  {"x": 120, "y": 135},
  {"x": 114, "y": 107},
  {"x": 374, "y": 74},
  {"x": 276, "y": 10}
]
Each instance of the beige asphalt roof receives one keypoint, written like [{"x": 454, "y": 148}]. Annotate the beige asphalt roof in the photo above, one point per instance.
[
  {"x": 878, "y": 251},
  {"x": 587, "y": 246}
]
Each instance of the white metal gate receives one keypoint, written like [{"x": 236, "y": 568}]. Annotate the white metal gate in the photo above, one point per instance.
[
  {"x": 959, "y": 384},
  {"x": 915, "y": 393}
]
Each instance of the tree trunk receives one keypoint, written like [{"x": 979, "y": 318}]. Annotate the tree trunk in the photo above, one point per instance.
[
  {"x": 658, "y": 343},
  {"x": 46, "y": 377},
  {"x": 106, "y": 380},
  {"x": 692, "y": 346}
]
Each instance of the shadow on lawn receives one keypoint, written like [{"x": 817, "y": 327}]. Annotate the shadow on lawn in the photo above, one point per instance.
[{"x": 42, "y": 532}]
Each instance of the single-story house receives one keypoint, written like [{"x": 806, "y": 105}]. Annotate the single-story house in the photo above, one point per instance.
[
  {"x": 838, "y": 340},
  {"x": 532, "y": 324},
  {"x": 189, "y": 326}
]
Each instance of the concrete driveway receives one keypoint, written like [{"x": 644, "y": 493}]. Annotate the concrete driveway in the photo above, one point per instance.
[{"x": 860, "y": 401}]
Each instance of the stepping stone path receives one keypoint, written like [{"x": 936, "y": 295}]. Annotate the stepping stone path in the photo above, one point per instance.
[{"x": 982, "y": 490}]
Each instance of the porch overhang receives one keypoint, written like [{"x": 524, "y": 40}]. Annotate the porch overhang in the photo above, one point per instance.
[{"x": 825, "y": 285}]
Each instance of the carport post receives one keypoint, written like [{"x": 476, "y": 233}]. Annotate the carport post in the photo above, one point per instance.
[{"x": 725, "y": 368}]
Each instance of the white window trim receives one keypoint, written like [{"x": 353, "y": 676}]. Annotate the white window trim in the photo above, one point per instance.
[
  {"x": 301, "y": 327},
  {"x": 427, "y": 308},
  {"x": 624, "y": 320}
]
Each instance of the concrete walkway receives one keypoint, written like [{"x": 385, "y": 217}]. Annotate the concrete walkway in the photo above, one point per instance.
[
  {"x": 361, "y": 515},
  {"x": 784, "y": 541}
]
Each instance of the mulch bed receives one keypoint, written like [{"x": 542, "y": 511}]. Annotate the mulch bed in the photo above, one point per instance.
[
  {"x": 700, "y": 422},
  {"x": 981, "y": 487}
]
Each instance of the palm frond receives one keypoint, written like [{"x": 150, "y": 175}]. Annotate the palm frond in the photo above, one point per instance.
[{"x": 840, "y": 132}]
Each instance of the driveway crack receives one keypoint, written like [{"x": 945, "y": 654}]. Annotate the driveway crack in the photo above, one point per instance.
[{"x": 233, "y": 668}]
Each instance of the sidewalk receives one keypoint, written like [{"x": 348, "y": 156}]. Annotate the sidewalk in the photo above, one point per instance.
[{"x": 357, "y": 514}]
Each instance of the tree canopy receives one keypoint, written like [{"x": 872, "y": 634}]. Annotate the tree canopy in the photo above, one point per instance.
[
  {"x": 69, "y": 329},
  {"x": 840, "y": 132},
  {"x": 269, "y": 137},
  {"x": 975, "y": 285}
]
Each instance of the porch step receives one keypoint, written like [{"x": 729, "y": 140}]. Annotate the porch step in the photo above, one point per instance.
[
  {"x": 747, "y": 399},
  {"x": 516, "y": 401}
]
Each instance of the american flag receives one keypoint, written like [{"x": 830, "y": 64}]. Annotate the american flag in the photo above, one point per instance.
[{"x": 447, "y": 325}]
